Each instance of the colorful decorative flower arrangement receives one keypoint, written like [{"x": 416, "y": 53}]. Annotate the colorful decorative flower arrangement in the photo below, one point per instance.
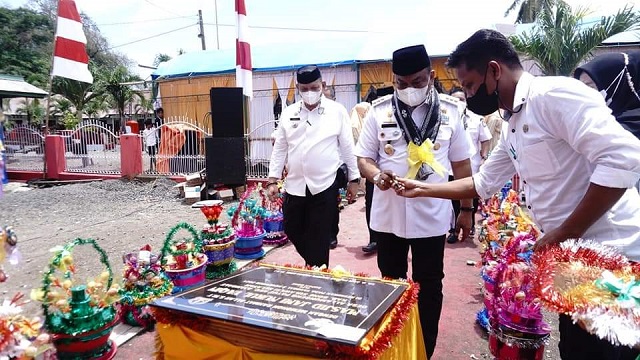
[
  {"x": 21, "y": 337},
  {"x": 77, "y": 314},
  {"x": 273, "y": 222},
  {"x": 594, "y": 284},
  {"x": 182, "y": 259},
  {"x": 513, "y": 312},
  {"x": 143, "y": 282},
  {"x": 517, "y": 329},
  {"x": 218, "y": 240},
  {"x": 247, "y": 219},
  {"x": 248, "y": 216},
  {"x": 504, "y": 218}
]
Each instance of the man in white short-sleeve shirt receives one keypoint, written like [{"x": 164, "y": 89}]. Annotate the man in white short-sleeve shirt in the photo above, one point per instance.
[
  {"x": 414, "y": 124},
  {"x": 578, "y": 163}
]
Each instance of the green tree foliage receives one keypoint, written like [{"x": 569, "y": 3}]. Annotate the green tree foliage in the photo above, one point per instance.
[
  {"x": 33, "y": 109},
  {"x": 60, "y": 106},
  {"x": 26, "y": 43},
  {"x": 528, "y": 10},
  {"x": 69, "y": 120},
  {"x": 120, "y": 93},
  {"x": 160, "y": 58},
  {"x": 560, "y": 39}
]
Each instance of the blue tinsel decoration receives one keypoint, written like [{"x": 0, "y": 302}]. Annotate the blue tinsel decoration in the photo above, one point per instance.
[{"x": 482, "y": 318}]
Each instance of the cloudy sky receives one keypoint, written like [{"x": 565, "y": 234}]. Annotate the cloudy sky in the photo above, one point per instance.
[{"x": 143, "y": 28}]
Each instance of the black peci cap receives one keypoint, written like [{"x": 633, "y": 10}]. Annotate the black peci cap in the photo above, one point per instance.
[{"x": 410, "y": 60}]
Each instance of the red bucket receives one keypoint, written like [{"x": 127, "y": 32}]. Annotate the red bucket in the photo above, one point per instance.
[{"x": 503, "y": 351}]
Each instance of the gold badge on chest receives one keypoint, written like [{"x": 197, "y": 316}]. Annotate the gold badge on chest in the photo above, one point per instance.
[{"x": 389, "y": 150}]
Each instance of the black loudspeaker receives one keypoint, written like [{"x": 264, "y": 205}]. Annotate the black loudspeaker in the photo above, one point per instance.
[
  {"x": 227, "y": 112},
  {"x": 225, "y": 161}
]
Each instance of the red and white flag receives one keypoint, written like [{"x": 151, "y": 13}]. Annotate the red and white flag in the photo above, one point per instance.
[
  {"x": 70, "y": 58},
  {"x": 243, "y": 51}
]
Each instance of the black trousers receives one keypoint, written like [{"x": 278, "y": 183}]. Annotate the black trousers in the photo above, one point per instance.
[
  {"x": 308, "y": 223},
  {"x": 427, "y": 270},
  {"x": 577, "y": 344},
  {"x": 152, "y": 151},
  {"x": 336, "y": 222},
  {"x": 368, "y": 199}
]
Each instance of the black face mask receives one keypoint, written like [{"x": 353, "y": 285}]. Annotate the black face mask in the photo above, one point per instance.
[{"x": 483, "y": 103}]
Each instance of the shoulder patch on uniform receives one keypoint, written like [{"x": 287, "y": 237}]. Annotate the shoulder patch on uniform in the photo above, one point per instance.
[{"x": 381, "y": 100}]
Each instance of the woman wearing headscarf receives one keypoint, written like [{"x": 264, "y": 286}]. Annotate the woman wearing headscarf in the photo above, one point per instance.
[{"x": 617, "y": 77}]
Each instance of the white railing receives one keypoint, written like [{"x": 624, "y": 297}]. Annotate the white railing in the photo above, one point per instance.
[
  {"x": 179, "y": 148},
  {"x": 24, "y": 148},
  {"x": 92, "y": 147},
  {"x": 259, "y": 145}
]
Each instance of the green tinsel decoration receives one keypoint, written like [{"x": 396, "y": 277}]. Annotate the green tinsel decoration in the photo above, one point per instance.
[
  {"x": 169, "y": 242},
  {"x": 138, "y": 297},
  {"x": 215, "y": 272},
  {"x": 65, "y": 323}
]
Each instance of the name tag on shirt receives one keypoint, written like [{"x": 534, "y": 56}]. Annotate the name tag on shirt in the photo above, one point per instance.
[{"x": 389, "y": 132}]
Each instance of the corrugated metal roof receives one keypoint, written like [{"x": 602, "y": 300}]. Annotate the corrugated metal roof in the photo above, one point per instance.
[
  {"x": 14, "y": 86},
  {"x": 625, "y": 38}
]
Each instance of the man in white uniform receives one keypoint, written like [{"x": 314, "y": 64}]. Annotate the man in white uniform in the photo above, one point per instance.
[
  {"x": 578, "y": 163},
  {"x": 414, "y": 126},
  {"x": 312, "y": 139}
]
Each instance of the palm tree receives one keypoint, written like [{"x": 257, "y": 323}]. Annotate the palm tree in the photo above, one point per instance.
[
  {"x": 96, "y": 106},
  {"x": 79, "y": 93},
  {"x": 33, "y": 110},
  {"x": 144, "y": 106},
  {"x": 121, "y": 94},
  {"x": 560, "y": 39},
  {"x": 160, "y": 58},
  {"x": 529, "y": 9},
  {"x": 60, "y": 106}
]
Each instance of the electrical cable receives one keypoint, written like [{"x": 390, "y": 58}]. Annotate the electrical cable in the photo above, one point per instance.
[
  {"x": 145, "y": 21},
  {"x": 153, "y": 36},
  {"x": 169, "y": 11},
  {"x": 294, "y": 28}
]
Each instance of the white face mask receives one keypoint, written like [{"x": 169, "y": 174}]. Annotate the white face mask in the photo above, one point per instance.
[
  {"x": 311, "y": 97},
  {"x": 413, "y": 96}
]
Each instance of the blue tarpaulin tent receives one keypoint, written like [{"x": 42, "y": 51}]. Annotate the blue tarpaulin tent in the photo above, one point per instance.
[{"x": 350, "y": 49}]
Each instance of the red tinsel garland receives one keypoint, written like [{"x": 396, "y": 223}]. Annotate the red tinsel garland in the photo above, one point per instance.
[
  {"x": 383, "y": 339},
  {"x": 547, "y": 261},
  {"x": 380, "y": 343},
  {"x": 143, "y": 321},
  {"x": 165, "y": 316}
]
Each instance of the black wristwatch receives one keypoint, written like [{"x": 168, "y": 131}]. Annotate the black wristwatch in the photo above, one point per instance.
[
  {"x": 355, "y": 181},
  {"x": 470, "y": 209}
]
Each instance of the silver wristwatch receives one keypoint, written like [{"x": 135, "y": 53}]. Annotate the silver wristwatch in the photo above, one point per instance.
[{"x": 376, "y": 178}]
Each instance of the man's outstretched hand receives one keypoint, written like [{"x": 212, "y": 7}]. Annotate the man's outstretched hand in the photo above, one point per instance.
[{"x": 408, "y": 188}]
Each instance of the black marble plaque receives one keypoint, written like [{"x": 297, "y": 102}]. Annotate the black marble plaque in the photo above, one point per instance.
[{"x": 306, "y": 303}]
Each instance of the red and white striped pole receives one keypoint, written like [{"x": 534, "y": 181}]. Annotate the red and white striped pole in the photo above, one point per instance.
[{"x": 243, "y": 51}]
